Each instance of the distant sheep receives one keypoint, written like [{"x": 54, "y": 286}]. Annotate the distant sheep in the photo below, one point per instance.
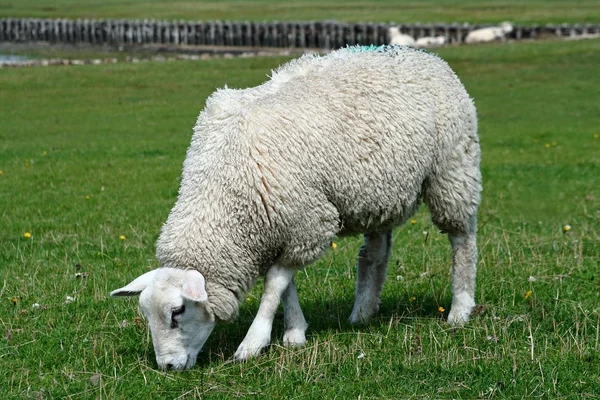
[
  {"x": 398, "y": 38},
  {"x": 429, "y": 42},
  {"x": 489, "y": 34},
  {"x": 343, "y": 144}
]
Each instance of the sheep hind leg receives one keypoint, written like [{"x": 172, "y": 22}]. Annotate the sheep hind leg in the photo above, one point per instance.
[
  {"x": 464, "y": 260},
  {"x": 453, "y": 196},
  {"x": 277, "y": 281},
  {"x": 372, "y": 265},
  {"x": 293, "y": 320}
]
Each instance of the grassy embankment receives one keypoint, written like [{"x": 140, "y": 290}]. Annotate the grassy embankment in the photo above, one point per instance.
[{"x": 524, "y": 11}]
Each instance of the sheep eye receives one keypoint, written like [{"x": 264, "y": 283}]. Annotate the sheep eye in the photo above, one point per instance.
[{"x": 175, "y": 312}]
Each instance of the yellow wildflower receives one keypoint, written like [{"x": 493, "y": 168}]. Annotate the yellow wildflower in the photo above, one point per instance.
[
  {"x": 27, "y": 235},
  {"x": 596, "y": 136},
  {"x": 26, "y": 164},
  {"x": 122, "y": 237},
  {"x": 0, "y": 172},
  {"x": 413, "y": 298},
  {"x": 547, "y": 145},
  {"x": 528, "y": 294},
  {"x": 566, "y": 228},
  {"x": 553, "y": 143},
  {"x": 441, "y": 309},
  {"x": 334, "y": 245},
  {"x": 413, "y": 221},
  {"x": 45, "y": 153},
  {"x": 87, "y": 197},
  {"x": 15, "y": 300}
]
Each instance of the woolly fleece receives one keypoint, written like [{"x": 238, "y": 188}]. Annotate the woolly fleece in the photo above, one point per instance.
[{"x": 337, "y": 145}]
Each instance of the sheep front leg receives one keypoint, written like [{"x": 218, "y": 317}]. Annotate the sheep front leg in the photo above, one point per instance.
[
  {"x": 293, "y": 319},
  {"x": 277, "y": 281}
]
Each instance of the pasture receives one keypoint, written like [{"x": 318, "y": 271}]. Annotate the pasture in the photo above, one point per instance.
[{"x": 90, "y": 159}]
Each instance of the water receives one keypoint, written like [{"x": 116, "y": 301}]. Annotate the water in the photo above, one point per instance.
[{"x": 11, "y": 58}]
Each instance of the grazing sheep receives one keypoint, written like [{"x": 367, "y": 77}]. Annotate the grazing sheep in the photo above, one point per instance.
[
  {"x": 343, "y": 144},
  {"x": 430, "y": 42},
  {"x": 398, "y": 38},
  {"x": 489, "y": 34}
]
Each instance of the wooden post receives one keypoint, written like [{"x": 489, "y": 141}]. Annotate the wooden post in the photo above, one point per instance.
[
  {"x": 443, "y": 30},
  {"x": 203, "y": 33},
  {"x": 27, "y": 29},
  {"x": 271, "y": 35},
  {"x": 349, "y": 36},
  {"x": 246, "y": 33},
  {"x": 319, "y": 35},
  {"x": 256, "y": 32},
  {"x": 84, "y": 31},
  {"x": 168, "y": 36},
  {"x": 534, "y": 31},
  {"x": 227, "y": 33},
  {"x": 93, "y": 37},
  {"x": 466, "y": 29},
  {"x": 71, "y": 31},
  {"x": 575, "y": 29},
  {"x": 195, "y": 39},
  {"x": 382, "y": 30},
  {"x": 339, "y": 40},
  {"x": 8, "y": 31},
  {"x": 210, "y": 39},
  {"x": 159, "y": 32},
  {"x": 518, "y": 32}
]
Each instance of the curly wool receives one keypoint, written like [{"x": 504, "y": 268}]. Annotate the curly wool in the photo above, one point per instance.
[{"x": 342, "y": 144}]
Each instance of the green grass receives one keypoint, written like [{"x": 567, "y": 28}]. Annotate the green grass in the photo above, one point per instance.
[
  {"x": 118, "y": 134},
  {"x": 521, "y": 11}
]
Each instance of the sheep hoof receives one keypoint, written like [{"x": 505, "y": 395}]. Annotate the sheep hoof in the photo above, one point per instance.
[
  {"x": 245, "y": 351},
  {"x": 459, "y": 316},
  {"x": 362, "y": 314},
  {"x": 357, "y": 318},
  {"x": 294, "y": 338}
]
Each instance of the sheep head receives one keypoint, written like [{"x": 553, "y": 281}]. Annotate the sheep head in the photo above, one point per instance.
[{"x": 175, "y": 303}]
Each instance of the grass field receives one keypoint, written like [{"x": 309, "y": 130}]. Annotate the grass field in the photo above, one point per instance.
[
  {"x": 521, "y": 11},
  {"x": 89, "y": 154}
]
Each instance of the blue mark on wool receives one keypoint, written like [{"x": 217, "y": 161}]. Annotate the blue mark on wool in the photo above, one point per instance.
[
  {"x": 380, "y": 49},
  {"x": 363, "y": 49}
]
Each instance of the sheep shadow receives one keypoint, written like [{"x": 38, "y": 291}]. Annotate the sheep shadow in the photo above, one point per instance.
[{"x": 323, "y": 317}]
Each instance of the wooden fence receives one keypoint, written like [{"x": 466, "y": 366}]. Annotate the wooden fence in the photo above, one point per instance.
[{"x": 323, "y": 35}]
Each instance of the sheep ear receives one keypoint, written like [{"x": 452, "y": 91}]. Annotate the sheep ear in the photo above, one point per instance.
[
  {"x": 136, "y": 286},
  {"x": 194, "y": 287}
]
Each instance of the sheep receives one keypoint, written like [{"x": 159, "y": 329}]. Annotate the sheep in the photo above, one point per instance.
[
  {"x": 489, "y": 34},
  {"x": 398, "y": 38},
  {"x": 342, "y": 144},
  {"x": 430, "y": 42}
]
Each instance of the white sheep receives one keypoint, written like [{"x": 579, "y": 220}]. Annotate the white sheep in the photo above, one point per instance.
[
  {"x": 343, "y": 144},
  {"x": 489, "y": 34},
  {"x": 398, "y": 38},
  {"x": 430, "y": 42}
]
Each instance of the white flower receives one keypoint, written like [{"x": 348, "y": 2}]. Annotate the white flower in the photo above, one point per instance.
[
  {"x": 361, "y": 355},
  {"x": 69, "y": 300},
  {"x": 532, "y": 279},
  {"x": 399, "y": 278},
  {"x": 35, "y": 305}
]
